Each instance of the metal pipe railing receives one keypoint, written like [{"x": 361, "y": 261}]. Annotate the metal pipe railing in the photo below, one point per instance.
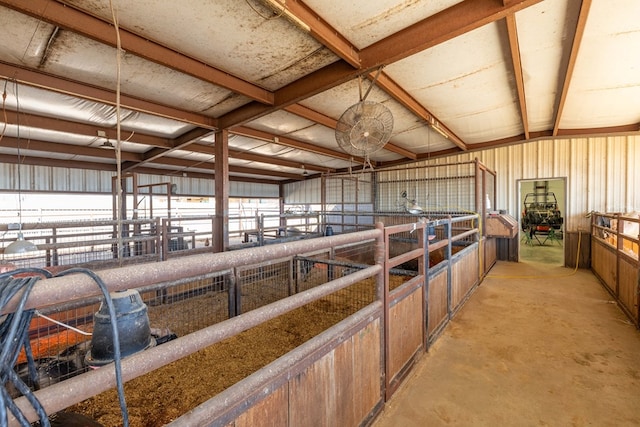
[
  {"x": 74, "y": 390},
  {"x": 57, "y": 290}
]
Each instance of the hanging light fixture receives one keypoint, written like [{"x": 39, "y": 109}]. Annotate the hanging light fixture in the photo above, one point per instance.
[
  {"x": 108, "y": 145},
  {"x": 20, "y": 245}
]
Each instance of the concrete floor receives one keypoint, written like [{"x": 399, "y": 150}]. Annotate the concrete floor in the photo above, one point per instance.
[{"x": 534, "y": 346}]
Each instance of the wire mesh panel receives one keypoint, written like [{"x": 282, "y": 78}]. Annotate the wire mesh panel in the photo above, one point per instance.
[
  {"x": 188, "y": 305},
  {"x": 263, "y": 284},
  {"x": 432, "y": 187},
  {"x": 60, "y": 336}
]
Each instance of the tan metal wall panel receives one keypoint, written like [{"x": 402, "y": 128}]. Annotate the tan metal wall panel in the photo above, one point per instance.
[
  {"x": 63, "y": 180},
  {"x": 601, "y": 173},
  {"x": 304, "y": 192}
]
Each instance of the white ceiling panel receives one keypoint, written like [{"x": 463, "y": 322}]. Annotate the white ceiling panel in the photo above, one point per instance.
[
  {"x": 542, "y": 56},
  {"x": 606, "y": 83},
  {"x": 191, "y": 68},
  {"x": 364, "y": 23}
]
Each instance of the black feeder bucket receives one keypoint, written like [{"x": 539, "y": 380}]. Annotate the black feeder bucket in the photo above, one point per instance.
[{"x": 133, "y": 329}]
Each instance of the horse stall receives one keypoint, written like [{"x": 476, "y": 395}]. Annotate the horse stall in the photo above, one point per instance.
[
  {"x": 324, "y": 328},
  {"x": 324, "y": 325},
  {"x": 615, "y": 258}
]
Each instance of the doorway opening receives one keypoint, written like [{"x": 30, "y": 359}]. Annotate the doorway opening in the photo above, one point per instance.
[{"x": 543, "y": 207}]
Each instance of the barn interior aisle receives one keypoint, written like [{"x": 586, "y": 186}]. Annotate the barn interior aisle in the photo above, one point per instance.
[{"x": 527, "y": 349}]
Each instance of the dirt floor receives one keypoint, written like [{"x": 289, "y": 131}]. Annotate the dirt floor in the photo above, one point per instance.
[
  {"x": 163, "y": 395},
  {"x": 530, "y": 348}
]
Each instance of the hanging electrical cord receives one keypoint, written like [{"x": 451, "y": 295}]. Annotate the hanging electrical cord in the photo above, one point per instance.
[
  {"x": 14, "y": 331},
  {"x": 119, "y": 203},
  {"x": 14, "y": 336}
]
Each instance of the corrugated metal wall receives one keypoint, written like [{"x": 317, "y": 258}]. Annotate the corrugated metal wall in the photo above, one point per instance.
[
  {"x": 61, "y": 180},
  {"x": 602, "y": 174}
]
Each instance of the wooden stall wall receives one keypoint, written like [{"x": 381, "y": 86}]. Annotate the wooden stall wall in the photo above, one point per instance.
[
  {"x": 437, "y": 300},
  {"x": 620, "y": 275},
  {"x": 406, "y": 333},
  {"x": 343, "y": 387},
  {"x": 405, "y": 309},
  {"x": 465, "y": 275},
  {"x": 336, "y": 381},
  {"x": 603, "y": 264},
  {"x": 628, "y": 287},
  {"x": 577, "y": 246}
]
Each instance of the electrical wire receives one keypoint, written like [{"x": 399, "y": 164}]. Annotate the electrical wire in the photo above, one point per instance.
[
  {"x": 14, "y": 336},
  {"x": 116, "y": 338},
  {"x": 267, "y": 18}
]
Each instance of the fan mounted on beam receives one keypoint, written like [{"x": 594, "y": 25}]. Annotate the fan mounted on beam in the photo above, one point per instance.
[{"x": 364, "y": 127}]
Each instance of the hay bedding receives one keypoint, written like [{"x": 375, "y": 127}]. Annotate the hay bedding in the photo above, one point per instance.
[{"x": 163, "y": 395}]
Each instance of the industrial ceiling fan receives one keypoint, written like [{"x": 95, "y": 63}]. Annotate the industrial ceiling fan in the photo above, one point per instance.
[{"x": 364, "y": 127}]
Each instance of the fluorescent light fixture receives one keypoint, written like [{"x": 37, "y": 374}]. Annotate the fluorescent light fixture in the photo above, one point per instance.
[
  {"x": 281, "y": 8},
  {"x": 435, "y": 127}
]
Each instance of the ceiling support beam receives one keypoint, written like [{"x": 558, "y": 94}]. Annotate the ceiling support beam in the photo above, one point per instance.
[
  {"x": 68, "y": 87},
  {"x": 312, "y": 84},
  {"x": 41, "y": 161},
  {"x": 512, "y": 31},
  {"x": 331, "y": 123},
  {"x": 60, "y": 125},
  {"x": 461, "y": 18},
  {"x": 452, "y": 22},
  {"x": 221, "y": 171},
  {"x": 74, "y": 20},
  {"x": 54, "y": 147},
  {"x": 258, "y": 158},
  {"x": 289, "y": 142},
  {"x": 306, "y": 19},
  {"x": 568, "y": 74},
  {"x": 178, "y": 143},
  {"x": 163, "y": 144},
  {"x": 399, "y": 94}
]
